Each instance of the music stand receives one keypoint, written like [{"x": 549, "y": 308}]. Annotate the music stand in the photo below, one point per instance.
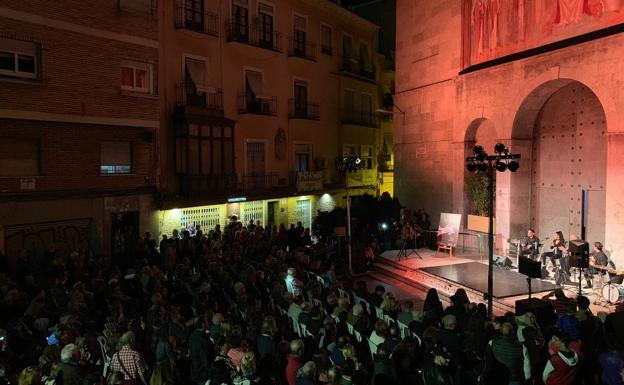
[
  {"x": 530, "y": 268},
  {"x": 579, "y": 258}
]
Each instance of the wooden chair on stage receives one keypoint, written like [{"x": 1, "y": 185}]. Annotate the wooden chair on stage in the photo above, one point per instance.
[{"x": 445, "y": 248}]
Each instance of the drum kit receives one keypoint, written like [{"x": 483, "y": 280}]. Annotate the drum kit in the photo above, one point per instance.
[{"x": 612, "y": 292}]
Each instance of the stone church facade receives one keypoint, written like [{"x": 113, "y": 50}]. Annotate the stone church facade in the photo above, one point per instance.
[{"x": 544, "y": 79}]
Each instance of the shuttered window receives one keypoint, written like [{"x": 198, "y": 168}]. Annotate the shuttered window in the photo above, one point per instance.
[{"x": 116, "y": 158}]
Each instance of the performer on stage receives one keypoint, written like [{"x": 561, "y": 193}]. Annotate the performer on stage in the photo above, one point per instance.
[
  {"x": 558, "y": 251},
  {"x": 598, "y": 258},
  {"x": 530, "y": 246}
]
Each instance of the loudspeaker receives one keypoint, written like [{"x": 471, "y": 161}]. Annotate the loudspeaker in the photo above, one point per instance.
[
  {"x": 579, "y": 254},
  {"x": 530, "y": 268},
  {"x": 501, "y": 261},
  {"x": 544, "y": 311}
]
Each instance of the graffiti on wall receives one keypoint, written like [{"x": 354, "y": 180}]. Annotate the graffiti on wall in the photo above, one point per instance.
[
  {"x": 502, "y": 27},
  {"x": 37, "y": 238}
]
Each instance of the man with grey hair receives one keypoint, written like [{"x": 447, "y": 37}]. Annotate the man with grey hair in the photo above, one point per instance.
[
  {"x": 294, "y": 361},
  {"x": 307, "y": 374},
  {"x": 72, "y": 373},
  {"x": 129, "y": 362}
]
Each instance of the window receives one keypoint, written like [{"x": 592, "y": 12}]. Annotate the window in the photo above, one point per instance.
[
  {"x": 196, "y": 80},
  {"x": 326, "y": 39},
  {"x": 265, "y": 25},
  {"x": 240, "y": 20},
  {"x": 349, "y": 150},
  {"x": 365, "y": 59},
  {"x": 367, "y": 107},
  {"x": 299, "y": 36},
  {"x": 303, "y": 157},
  {"x": 194, "y": 14},
  {"x": 136, "y": 77},
  {"x": 347, "y": 47},
  {"x": 205, "y": 150},
  {"x": 19, "y": 58},
  {"x": 254, "y": 89},
  {"x": 367, "y": 157},
  {"x": 348, "y": 102},
  {"x": 116, "y": 158},
  {"x": 19, "y": 157},
  {"x": 301, "y": 98}
]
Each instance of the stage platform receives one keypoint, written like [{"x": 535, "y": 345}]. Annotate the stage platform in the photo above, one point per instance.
[{"x": 474, "y": 275}]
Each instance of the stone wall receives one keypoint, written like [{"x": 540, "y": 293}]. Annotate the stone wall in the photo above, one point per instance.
[{"x": 443, "y": 109}]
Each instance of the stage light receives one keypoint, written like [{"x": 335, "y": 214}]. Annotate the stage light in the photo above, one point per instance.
[
  {"x": 384, "y": 226},
  {"x": 471, "y": 167},
  {"x": 500, "y": 148},
  {"x": 482, "y": 167},
  {"x": 358, "y": 160},
  {"x": 500, "y": 166},
  {"x": 478, "y": 150},
  {"x": 513, "y": 166}
]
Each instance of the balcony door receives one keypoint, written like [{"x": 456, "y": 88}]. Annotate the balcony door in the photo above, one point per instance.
[
  {"x": 304, "y": 213},
  {"x": 253, "y": 91},
  {"x": 299, "y": 36},
  {"x": 256, "y": 166},
  {"x": 303, "y": 155},
  {"x": 301, "y": 98},
  {"x": 195, "y": 79},
  {"x": 240, "y": 20},
  {"x": 194, "y": 14},
  {"x": 347, "y": 52},
  {"x": 265, "y": 25},
  {"x": 366, "y": 108}
]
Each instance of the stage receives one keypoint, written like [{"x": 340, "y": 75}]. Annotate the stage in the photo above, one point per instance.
[{"x": 426, "y": 269}]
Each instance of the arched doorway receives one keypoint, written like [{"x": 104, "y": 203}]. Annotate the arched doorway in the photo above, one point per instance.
[{"x": 561, "y": 128}]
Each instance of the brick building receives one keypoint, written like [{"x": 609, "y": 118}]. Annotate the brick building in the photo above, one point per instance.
[
  {"x": 78, "y": 123},
  {"x": 541, "y": 78},
  {"x": 259, "y": 99}
]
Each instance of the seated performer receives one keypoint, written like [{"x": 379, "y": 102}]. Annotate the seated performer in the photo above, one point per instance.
[
  {"x": 558, "y": 251},
  {"x": 598, "y": 258},
  {"x": 409, "y": 234},
  {"x": 530, "y": 246}
]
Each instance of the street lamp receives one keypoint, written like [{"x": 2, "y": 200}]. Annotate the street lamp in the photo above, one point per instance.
[
  {"x": 501, "y": 161},
  {"x": 346, "y": 165}
]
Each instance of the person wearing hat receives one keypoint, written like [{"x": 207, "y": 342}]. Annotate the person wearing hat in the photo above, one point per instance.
[{"x": 129, "y": 362}]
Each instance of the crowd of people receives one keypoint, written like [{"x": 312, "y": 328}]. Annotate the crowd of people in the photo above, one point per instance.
[{"x": 248, "y": 305}]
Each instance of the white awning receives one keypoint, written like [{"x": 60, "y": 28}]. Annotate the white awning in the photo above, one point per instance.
[
  {"x": 196, "y": 69},
  {"x": 254, "y": 80}
]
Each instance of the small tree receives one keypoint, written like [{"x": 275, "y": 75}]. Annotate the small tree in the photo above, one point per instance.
[{"x": 477, "y": 189}]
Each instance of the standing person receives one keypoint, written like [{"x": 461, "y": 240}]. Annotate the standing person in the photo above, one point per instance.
[
  {"x": 201, "y": 350},
  {"x": 129, "y": 362}
]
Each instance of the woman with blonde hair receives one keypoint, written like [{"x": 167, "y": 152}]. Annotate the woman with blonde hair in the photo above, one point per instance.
[{"x": 29, "y": 376}]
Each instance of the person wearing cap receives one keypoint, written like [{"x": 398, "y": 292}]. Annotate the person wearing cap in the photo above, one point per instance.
[{"x": 129, "y": 362}]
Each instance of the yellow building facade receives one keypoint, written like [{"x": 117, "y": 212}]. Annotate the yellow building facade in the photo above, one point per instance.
[{"x": 259, "y": 101}]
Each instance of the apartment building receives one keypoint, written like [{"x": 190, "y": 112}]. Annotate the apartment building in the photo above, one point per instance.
[
  {"x": 259, "y": 100},
  {"x": 78, "y": 123}
]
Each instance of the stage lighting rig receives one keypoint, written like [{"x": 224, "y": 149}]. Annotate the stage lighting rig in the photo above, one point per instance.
[{"x": 502, "y": 160}]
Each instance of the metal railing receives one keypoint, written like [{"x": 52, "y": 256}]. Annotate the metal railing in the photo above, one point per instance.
[
  {"x": 187, "y": 94},
  {"x": 359, "y": 118},
  {"x": 255, "y": 35},
  {"x": 199, "y": 21},
  {"x": 359, "y": 67},
  {"x": 201, "y": 185},
  {"x": 301, "y": 48},
  {"x": 299, "y": 110},
  {"x": 249, "y": 104}
]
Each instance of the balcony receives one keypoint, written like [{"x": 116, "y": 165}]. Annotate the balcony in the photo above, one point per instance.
[
  {"x": 196, "y": 20},
  {"x": 272, "y": 182},
  {"x": 257, "y": 105},
  {"x": 308, "y": 111},
  {"x": 309, "y": 181},
  {"x": 359, "y": 118},
  {"x": 361, "y": 68},
  {"x": 199, "y": 186},
  {"x": 187, "y": 94},
  {"x": 254, "y": 35},
  {"x": 301, "y": 48}
]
